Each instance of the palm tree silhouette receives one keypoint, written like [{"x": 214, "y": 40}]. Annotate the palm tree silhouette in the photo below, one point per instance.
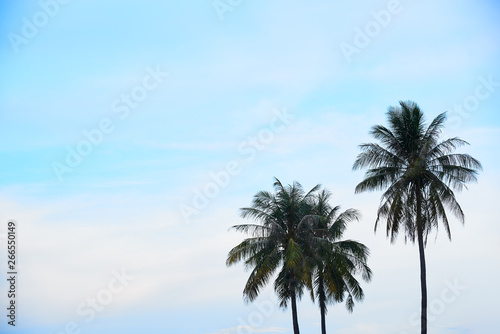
[
  {"x": 418, "y": 173},
  {"x": 334, "y": 262},
  {"x": 277, "y": 242}
]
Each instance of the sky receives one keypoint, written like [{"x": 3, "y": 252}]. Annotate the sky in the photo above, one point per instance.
[{"x": 133, "y": 131}]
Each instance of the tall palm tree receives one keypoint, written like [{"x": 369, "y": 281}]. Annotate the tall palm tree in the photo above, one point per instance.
[
  {"x": 334, "y": 262},
  {"x": 418, "y": 173},
  {"x": 277, "y": 243}
]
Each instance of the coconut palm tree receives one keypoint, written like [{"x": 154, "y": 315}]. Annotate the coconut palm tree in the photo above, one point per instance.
[
  {"x": 334, "y": 262},
  {"x": 282, "y": 219},
  {"x": 418, "y": 173}
]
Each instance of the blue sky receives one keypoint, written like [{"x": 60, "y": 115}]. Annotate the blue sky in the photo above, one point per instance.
[{"x": 173, "y": 93}]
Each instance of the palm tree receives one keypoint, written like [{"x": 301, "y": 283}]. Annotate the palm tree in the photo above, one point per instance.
[
  {"x": 334, "y": 262},
  {"x": 277, "y": 242},
  {"x": 418, "y": 173}
]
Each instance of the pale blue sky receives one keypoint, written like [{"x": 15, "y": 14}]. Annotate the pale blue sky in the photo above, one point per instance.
[{"x": 121, "y": 206}]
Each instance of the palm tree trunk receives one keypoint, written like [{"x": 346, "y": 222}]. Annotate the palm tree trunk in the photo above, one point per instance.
[
  {"x": 323, "y": 321},
  {"x": 423, "y": 284},
  {"x": 294, "y": 310},
  {"x": 421, "y": 249},
  {"x": 322, "y": 304}
]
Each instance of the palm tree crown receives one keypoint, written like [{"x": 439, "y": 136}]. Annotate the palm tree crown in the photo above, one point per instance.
[{"x": 412, "y": 162}]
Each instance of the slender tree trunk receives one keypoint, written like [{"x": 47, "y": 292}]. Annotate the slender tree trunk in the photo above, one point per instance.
[
  {"x": 421, "y": 250},
  {"x": 322, "y": 304},
  {"x": 294, "y": 310},
  {"x": 423, "y": 284},
  {"x": 323, "y": 320}
]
